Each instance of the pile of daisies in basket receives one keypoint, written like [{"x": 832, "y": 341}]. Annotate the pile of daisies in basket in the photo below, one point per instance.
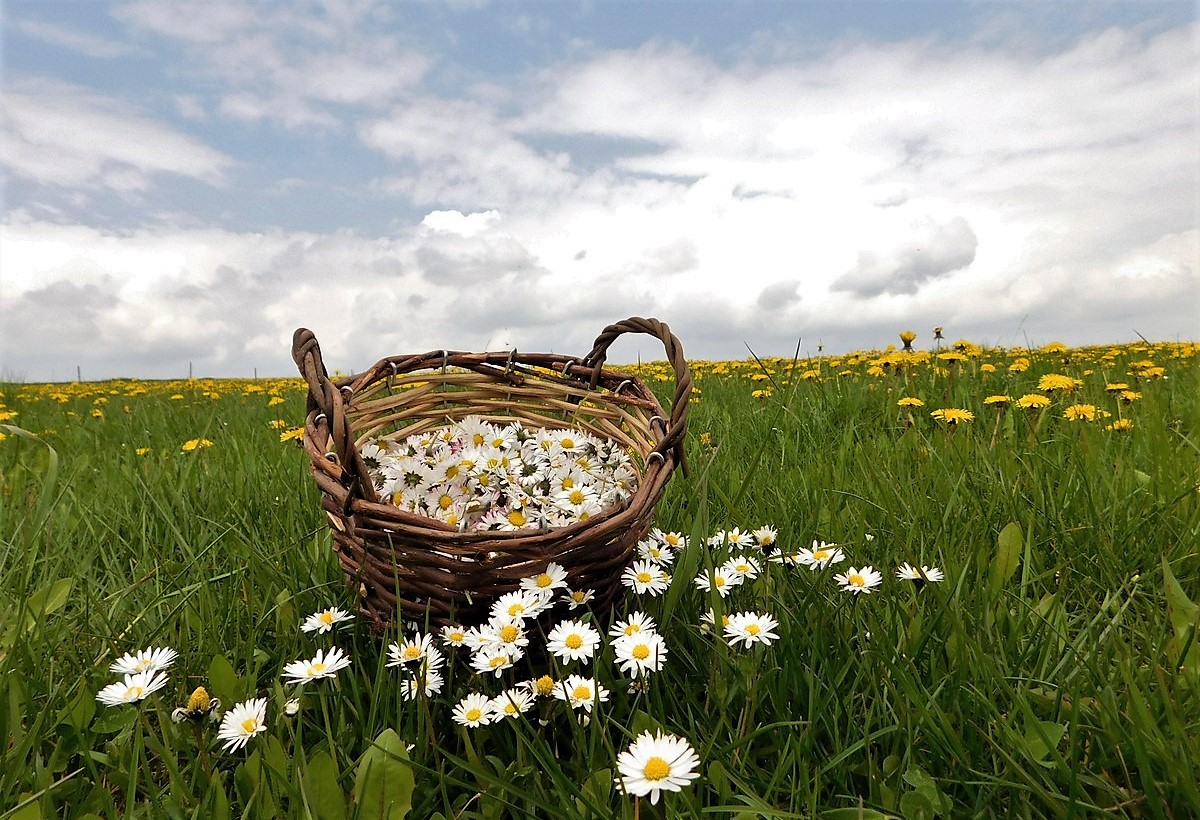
[{"x": 477, "y": 475}]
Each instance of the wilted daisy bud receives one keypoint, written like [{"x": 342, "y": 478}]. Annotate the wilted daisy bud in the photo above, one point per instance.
[
  {"x": 292, "y": 707},
  {"x": 199, "y": 706}
]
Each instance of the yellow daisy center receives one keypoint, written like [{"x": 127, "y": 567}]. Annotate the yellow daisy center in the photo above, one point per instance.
[
  {"x": 445, "y": 500},
  {"x": 632, "y": 629},
  {"x": 457, "y": 637},
  {"x": 326, "y": 618},
  {"x": 516, "y": 609},
  {"x": 645, "y": 577},
  {"x": 578, "y": 597},
  {"x": 753, "y": 629},
  {"x": 656, "y": 769},
  {"x": 135, "y": 692},
  {"x": 250, "y": 725},
  {"x": 317, "y": 668},
  {"x": 516, "y": 518},
  {"x": 544, "y": 580},
  {"x": 582, "y": 693},
  {"x": 820, "y": 555},
  {"x": 568, "y": 483},
  {"x": 498, "y": 661},
  {"x": 474, "y": 713},
  {"x": 857, "y": 580},
  {"x": 545, "y": 685},
  {"x": 568, "y": 443},
  {"x": 573, "y": 641},
  {"x": 509, "y": 633},
  {"x": 719, "y": 581},
  {"x": 412, "y": 653},
  {"x": 641, "y": 652},
  {"x": 577, "y": 496}
]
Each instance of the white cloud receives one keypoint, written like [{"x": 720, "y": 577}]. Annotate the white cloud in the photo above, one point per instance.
[
  {"x": 86, "y": 44},
  {"x": 62, "y": 134}
]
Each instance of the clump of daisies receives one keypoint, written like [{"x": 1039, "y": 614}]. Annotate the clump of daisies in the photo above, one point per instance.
[
  {"x": 478, "y": 475},
  {"x": 145, "y": 672}
]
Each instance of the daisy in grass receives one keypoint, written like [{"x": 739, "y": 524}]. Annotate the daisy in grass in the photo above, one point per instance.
[
  {"x": 644, "y": 577},
  {"x": 424, "y": 683},
  {"x": 454, "y": 635},
  {"x": 766, "y": 537},
  {"x": 522, "y": 603},
  {"x": 674, "y": 540},
  {"x": 656, "y": 763},
  {"x": 551, "y": 578},
  {"x": 640, "y": 654},
  {"x": 243, "y": 722},
  {"x": 821, "y": 555},
  {"x": 412, "y": 650},
  {"x": 791, "y": 559},
  {"x": 708, "y": 620},
  {"x": 580, "y": 692},
  {"x": 508, "y": 633},
  {"x": 473, "y": 710},
  {"x": 494, "y": 659},
  {"x": 511, "y": 703},
  {"x": 323, "y": 665},
  {"x": 576, "y": 598},
  {"x": 136, "y": 686},
  {"x": 859, "y": 580},
  {"x": 919, "y": 576},
  {"x": 146, "y": 660},
  {"x": 636, "y": 623},
  {"x": 651, "y": 550},
  {"x": 325, "y": 620},
  {"x": 719, "y": 579},
  {"x": 748, "y": 628},
  {"x": 742, "y": 565},
  {"x": 573, "y": 641}
]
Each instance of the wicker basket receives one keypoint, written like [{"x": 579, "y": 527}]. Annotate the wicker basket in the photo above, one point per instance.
[{"x": 411, "y": 568}]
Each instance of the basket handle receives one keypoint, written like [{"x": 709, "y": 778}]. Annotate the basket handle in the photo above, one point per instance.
[
  {"x": 326, "y": 400},
  {"x": 677, "y": 427}
]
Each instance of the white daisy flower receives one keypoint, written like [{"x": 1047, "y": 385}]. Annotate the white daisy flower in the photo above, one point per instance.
[
  {"x": 821, "y": 555},
  {"x": 674, "y": 540},
  {"x": 243, "y": 722},
  {"x": 640, "y": 654},
  {"x": 749, "y": 628},
  {"x": 576, "y": 598},
  {"x": 551, "y": 578},
  {"x": 512, "y": 702},
  {"x": 718, "y": 579},
  {"x": 473, "y": 710},
  {"x": 146, "y": 660},
  {"x": 454, "y": 635},
  {"x": 323, "y": 665},
  {"x": 133, "y": 688},
  {"x": 859, "y": 580},
  {"x": 412, "y": 650},
  {"x": 651, "y": 550},
  {"x": 573, "y": 641},
  {"x": 325, "y": 620},
  {"x": 522, "y": 603},
  {"x": 925, "y": 574},
  {"x": 424, "y": 682},
  {"x": 742, "y": 565},
  {"x": 507, "y": 633},
  {"x": 657, "y": 763},
  {"x": 766, "y": 536},
  {"x": 635, "y": 623},
  {"x": 494, "y": 659},
  {"x": 645, "y": 577},
  {"x": 580, "y": 692}
]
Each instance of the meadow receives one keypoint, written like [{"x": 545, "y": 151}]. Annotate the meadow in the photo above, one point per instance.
[{"x": 1053, "y": 670}]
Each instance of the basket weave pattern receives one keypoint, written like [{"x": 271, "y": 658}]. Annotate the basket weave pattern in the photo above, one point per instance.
[{"x": 408, "y": 567}]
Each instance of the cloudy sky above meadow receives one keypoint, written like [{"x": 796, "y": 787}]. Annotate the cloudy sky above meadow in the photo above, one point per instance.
[{"x": 187, "y": 181}]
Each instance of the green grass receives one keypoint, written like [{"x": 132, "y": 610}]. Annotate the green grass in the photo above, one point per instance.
[{"x": 1052, "y": 674}]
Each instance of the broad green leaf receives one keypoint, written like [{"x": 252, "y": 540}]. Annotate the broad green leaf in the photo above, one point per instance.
[
  {"x": 1180, "y": 609},
  {"x": 1040, "y": 737},
  {"x": 223, "y": 680},
  {"x": 321, "y": 788},
  {"x": 384, "y": 783},
  {"x": 1008, "y": 556},
  {"x": 50, "y": 598}
]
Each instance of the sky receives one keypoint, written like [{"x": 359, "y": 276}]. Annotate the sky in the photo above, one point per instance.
[{"x": 186, "y": 182}]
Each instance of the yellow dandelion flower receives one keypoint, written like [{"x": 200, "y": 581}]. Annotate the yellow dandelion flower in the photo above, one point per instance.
[
  {"x": 289, "y": 435},
  {"x": 1052, "y": 382},
  {"x": 1130, "y": 396},
  {"x": 1080, "y": 412},
  {"x": 196, "y": 444},
  {"x": 910, "y": 401},
  {"x": 275, "y": 401},
  {"x": 1120, "y": 426},
  {"x": 1019, "y": 365},
  {"x": 998, "y": 400},
  {"x": 141, "y": 451},
  {"x": 987, "y": 368},
  {"x": 1033, "y": 401},
  {"x": 953, "y": 415}
]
